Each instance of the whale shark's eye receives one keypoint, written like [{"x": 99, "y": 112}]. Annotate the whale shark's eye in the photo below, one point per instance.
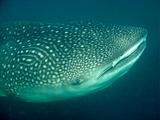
[{"x": 77, "y": 81}]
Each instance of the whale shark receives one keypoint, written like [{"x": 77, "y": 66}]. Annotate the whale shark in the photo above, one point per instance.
[{"x": 42, "y": 62}]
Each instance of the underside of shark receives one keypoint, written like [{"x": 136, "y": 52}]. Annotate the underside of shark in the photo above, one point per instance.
[{"x": 41, "y": 62}]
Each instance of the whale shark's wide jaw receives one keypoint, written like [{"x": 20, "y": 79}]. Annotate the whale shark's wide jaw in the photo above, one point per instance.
[{"x": 129, "y": 57}]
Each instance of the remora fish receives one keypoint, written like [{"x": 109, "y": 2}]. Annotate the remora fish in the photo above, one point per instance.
[{"x": 47, "y": 62}]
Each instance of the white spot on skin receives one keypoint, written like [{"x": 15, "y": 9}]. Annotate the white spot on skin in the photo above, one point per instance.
[
  {"x": 40, "y": 71},
  {"x": 8, "y": 65},
  {"x": 41, "y": 82},
  {"x": 47, "y": 47},
  {"x": 59, "y": 41},
  {"x": 51, "y": 51},
  {"x": 82, "y": 45},
  {"x": 61, "y": 45},
  {"x": 46, "y": 60},
  {"x": 65, "y": 49},
  {"x": 57, "y": 31},
  {"x": 28, "y": 41},
  {"x": 63, "y": 62},
  {"x": 29, "y": 60},
  {"x": 44, "y": 66},
  {"x": 83, "y": 32},
  {"x": 53, "y": 55},
  {"x": 13, "y": 66},
  {"x": 40, "y": 54},
  {"x": 25, "y": 69},
  {"x": 3, "y": 76},
  {"x": 43, "y": 76},
  {"x": 4, "y": 66},
  {"x": 42, "y": 27},
  {"x": 49, "y": 81},
  {"x": 57, "y": 59},
  {"x": 31, "y": 68},
  {"x": 38, "y": 44},
  {"x": 23, "y": 59},
  {"x": 76, "y": 28},
  {"x": 49, "y": 39},
  {"x": 58, "y": 80},
  {"x": 22, "y": 51},
  {"x": 66, "y": 32},
  {"x": 20, "y": 43},
  {"x": 51, "y": 43},
  {"x": 7, "y": 28},
  {"x": 18, "y": 60},
  {"x": 53, "y": 76},
  {"x": 52, "y": 68},
  {"x": 4, "y": 37},
  {"x": 36, "y": 64},
  {"x": 21, "y": 67},
  {"x": 47, "y": 73},
  {"x": 10, "y": 32},
  {"x": 33, "y": 51},
  {"x": 23, "y": 27},
  {"x": 42, "y": 31}
]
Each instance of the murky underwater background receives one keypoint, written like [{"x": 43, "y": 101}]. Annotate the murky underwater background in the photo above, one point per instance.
[{"x": 135, "y": 96}]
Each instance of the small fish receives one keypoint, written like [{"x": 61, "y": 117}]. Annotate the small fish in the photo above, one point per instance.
[{"x": 41, "y": 62}]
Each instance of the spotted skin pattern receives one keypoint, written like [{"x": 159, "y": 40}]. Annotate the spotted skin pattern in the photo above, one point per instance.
[{"x": 57, "y": 55}]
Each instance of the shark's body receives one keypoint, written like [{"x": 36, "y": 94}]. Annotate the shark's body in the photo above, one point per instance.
[{"x": 47, "y": 62}]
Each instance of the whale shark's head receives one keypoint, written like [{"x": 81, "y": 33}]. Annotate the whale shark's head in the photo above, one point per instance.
[{"x": 46, "y": 62}]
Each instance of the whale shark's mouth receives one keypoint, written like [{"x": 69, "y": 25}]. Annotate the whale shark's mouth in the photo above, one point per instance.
[{"x": 131, "y": 55}]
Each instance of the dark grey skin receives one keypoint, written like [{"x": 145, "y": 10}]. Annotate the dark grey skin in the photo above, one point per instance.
[{"x": 48, "y": 62}]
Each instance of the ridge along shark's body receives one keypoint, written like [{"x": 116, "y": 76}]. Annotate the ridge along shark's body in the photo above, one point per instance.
[{"x": 48, "y": 62}]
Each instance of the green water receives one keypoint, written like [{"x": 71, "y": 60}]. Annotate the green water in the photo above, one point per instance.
[{"x": 135, "y": 96}]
